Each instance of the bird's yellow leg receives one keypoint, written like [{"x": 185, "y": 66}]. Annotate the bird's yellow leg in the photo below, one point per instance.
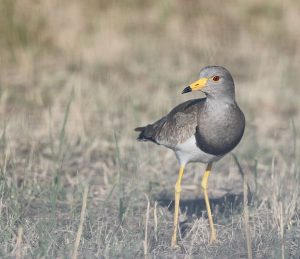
[
  {"x": 204, "y": 181},
  {"x": 176, "y": 210}
]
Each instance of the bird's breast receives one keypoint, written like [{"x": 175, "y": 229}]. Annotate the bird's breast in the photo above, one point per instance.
[{"x": 219, "y": 131}]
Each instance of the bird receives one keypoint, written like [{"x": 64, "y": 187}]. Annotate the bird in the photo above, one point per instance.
[{"x": 200, "y": 130}]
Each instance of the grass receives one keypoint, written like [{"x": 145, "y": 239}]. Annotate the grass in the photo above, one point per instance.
[{"x": 76, "y": 79}]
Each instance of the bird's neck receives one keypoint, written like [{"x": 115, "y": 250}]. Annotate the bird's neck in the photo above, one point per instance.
[{"x": 219, "y": 100}]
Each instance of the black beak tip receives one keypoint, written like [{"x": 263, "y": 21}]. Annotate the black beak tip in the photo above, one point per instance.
[{"x": 186, "y": 90}]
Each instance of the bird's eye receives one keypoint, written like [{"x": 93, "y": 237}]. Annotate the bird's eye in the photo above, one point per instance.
[{"x": 216, "y": 78}]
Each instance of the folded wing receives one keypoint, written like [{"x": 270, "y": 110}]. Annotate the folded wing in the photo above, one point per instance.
[{"x": 174, "y": 128}]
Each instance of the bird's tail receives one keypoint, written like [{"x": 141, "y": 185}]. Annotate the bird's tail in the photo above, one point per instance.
[
  {"x": 144, "y": 133},
  {"x": 151, "y": 132}
]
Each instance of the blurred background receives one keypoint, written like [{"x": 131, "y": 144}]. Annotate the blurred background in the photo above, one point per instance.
[{"x": 76, "y": 77}]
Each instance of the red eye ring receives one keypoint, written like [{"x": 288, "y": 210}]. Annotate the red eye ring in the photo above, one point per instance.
[{"x": 216, "y": 78}]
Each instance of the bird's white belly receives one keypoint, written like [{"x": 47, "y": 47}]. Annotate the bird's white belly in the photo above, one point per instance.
[{"x": 188, "y": 151}]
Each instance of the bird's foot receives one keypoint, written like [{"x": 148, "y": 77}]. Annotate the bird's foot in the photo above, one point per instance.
[
  {"x": 174, "y": 244},
  {"x": 213, "y": 239}
]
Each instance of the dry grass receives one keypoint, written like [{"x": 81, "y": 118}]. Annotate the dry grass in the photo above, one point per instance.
[{"x": 77, "y": 77}]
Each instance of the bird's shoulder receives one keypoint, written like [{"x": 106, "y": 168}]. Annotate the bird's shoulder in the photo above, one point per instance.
[{"x": 185, "y": 109}]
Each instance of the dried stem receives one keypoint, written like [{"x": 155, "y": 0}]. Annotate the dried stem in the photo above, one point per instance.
[{"x": 80, "y": 227}]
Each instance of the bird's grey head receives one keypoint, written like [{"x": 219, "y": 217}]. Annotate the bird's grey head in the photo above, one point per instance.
[{"x": 215, "y": 81}]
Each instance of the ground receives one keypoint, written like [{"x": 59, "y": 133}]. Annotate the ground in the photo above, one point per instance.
[{"x": 77, "y": 77}]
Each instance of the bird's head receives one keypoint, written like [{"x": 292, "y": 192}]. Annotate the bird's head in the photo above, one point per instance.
[{"x": 215, "y": 81}]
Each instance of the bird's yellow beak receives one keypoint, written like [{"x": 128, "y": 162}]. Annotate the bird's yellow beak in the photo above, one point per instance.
[{"x": 198, "y": 85}]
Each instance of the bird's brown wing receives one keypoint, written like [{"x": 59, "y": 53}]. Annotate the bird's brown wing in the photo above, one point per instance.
[{"x": 176, "y": 127}]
